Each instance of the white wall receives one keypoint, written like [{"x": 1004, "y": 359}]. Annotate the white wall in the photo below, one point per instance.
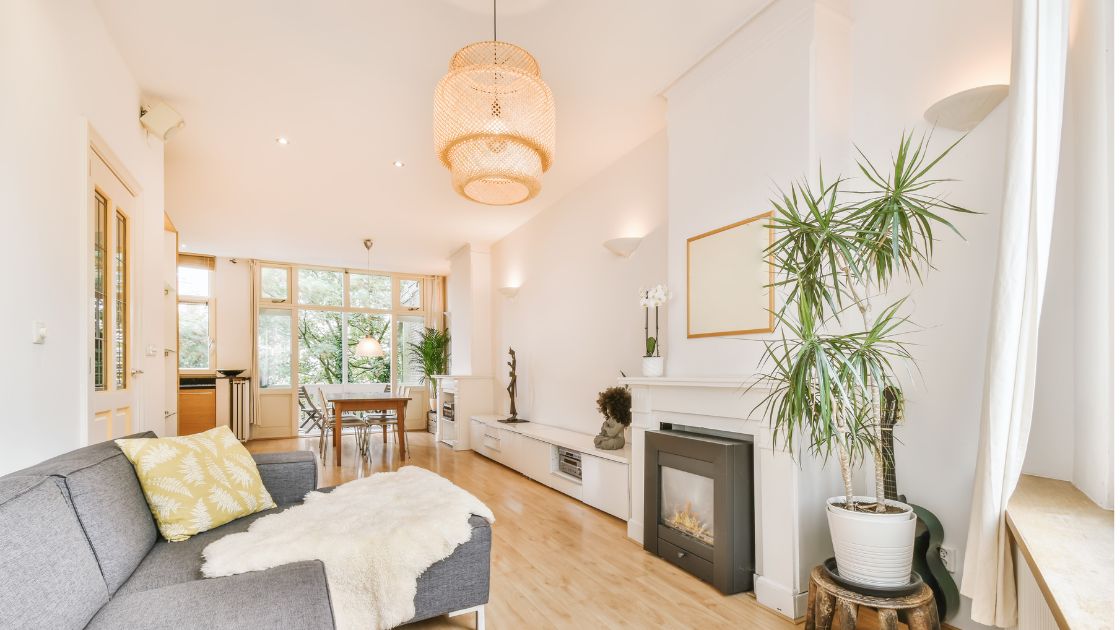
[
  {"x": 468, "y": 308},
  {"x": 232, "y": 327},
  {"x": 741, "y": 122},
  {"x": 58, "y": 68},
  {"x": 1086, "y": 144},
  {"x": 1072, "y": 430},
  {"x": 575, "y": 322}
]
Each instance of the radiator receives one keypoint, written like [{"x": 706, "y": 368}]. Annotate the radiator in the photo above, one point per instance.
[{"x": 1034, "y": 612}]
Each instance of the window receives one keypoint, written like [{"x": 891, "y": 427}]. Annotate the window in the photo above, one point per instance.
[
  {"x": 274, "y": 348},
  {"x": 196, "y": 313},
  {"x": 311, "y": 319},
  {"x": 371, "y": 291},
  {"x": 100, "y": 275},
  {"x": 274, "y": 284},
  {"x": 320, "y": 287},
  {"x": 410, "y": 294}
]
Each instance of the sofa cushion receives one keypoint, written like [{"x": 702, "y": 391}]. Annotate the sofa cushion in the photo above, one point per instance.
[
  {"x": 194, "y": 483},
  {"x": 293, "y": 596},
  {"x": 49, "y": 577},
  {"x": 109, "y": 503},
  {"x": 177, "y": 562}
]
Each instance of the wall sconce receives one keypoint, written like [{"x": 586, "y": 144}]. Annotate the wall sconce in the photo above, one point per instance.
[
  {"x": 964, "y": 110},
  {"x": 623, "y": 247},
  {"x": 509, "y": 292}
]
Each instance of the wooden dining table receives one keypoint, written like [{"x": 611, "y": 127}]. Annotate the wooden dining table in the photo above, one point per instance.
[{"x": 364, "y": 401}]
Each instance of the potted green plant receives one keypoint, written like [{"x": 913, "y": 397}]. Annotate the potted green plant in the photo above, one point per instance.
[
  {"x": 431, "y": 352},
  {"x": 836, "y": 248}
]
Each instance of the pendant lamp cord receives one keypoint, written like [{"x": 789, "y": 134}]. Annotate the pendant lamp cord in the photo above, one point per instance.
[{"x": 495, "y": 20}]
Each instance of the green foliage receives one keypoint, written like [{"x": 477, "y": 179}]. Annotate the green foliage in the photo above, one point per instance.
[
  {"x": 431, "y": 351},
  {"x": 651, "y": 346},
  {"x": 830, "y": 246},
  {"x": 614, "y": 402},
  {"x": 320, "y": 347}
]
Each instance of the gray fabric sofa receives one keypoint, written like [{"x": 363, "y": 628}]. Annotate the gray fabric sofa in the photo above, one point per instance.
[{"x": 79, "y": 549}]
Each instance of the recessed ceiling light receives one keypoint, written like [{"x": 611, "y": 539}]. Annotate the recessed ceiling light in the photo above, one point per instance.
[
  {"x": 398, "y": 164},
  {"x": 281, "y": 140}
]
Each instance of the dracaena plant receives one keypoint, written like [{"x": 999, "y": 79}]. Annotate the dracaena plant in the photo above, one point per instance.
[{"x": 833, "y": 248}]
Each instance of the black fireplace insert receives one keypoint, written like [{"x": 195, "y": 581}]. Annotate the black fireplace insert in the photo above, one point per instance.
[{"x": 699, "y": 506}]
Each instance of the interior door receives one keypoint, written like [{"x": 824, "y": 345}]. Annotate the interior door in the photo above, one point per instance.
[{"x": 114, "y": 398}]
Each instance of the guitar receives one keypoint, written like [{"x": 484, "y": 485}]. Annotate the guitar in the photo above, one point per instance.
[{"x": 929, "y": 533}]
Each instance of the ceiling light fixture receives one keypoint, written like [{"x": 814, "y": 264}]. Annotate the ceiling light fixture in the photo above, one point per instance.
[
  {"x": 368, "y": 347},
  {"x": 495, "y": 122},
  {"x": 398, "y": 164},
  {"x": 281, "y": 140}
]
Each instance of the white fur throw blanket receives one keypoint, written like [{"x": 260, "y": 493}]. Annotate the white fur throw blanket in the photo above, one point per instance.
[{"x": 375, "y": 535}]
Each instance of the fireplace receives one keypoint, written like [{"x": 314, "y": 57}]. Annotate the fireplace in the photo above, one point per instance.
[{"x": 699, "y": 512}]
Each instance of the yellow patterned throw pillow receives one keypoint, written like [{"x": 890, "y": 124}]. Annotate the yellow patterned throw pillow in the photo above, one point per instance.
[{"x": 197, "y": 482}]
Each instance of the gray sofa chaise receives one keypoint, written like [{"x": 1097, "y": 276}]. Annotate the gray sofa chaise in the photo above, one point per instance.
[{"x": 79, "y": 549}]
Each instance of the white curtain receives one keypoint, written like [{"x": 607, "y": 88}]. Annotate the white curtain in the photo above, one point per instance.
[
  {"x": 435, "y": 301},
  {"x": 1041, "y": 34},
  {"x": 254, "y": 319}
]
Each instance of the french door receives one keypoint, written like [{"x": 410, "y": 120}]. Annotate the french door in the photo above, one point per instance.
[{"x": 114, "y": 393}]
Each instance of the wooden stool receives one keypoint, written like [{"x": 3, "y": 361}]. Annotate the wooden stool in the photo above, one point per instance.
[{"x": 918, "y": 610}]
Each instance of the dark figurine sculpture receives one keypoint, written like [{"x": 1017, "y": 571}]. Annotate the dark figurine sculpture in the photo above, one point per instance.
[
  {"x": 512, "y": 389},
  {"x": 614, "y": 404}
]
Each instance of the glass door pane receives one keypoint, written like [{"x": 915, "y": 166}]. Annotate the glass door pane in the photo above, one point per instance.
[
  {"x": 409, "y": 370},
  {"x": 320, "y": 346},
  {"x": 120, "y": 303},
  {"x": 274, "y": 345},
  {"x": 368, "y": 369}
]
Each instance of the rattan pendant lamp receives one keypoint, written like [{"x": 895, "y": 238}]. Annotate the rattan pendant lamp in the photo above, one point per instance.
[{"x": 495, "y": 122}]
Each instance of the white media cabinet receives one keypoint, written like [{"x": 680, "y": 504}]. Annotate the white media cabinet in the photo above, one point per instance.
[{"x": 535, "y": 449}]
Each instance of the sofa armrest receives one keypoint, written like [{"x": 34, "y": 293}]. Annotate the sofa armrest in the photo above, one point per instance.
[
  {"x": 288, "y": 476},
  {"x": 289, "y": 596}
]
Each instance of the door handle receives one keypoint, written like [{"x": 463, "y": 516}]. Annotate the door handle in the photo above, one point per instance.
[{"x": 135, "y": 372}]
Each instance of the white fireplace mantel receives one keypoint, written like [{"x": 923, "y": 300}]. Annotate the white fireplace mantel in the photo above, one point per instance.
[{"x": 791, "y": 533}]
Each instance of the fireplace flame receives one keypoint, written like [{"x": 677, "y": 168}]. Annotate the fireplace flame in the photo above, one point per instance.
[{"x": 688, "y": 522}]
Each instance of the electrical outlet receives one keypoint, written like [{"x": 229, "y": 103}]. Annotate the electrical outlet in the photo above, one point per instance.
[{"x": 948, "y": 558}]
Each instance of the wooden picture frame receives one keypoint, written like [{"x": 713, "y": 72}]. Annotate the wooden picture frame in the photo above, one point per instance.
[{"x": 719, "y": 259}]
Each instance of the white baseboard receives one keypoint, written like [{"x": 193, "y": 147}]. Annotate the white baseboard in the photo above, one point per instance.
[{"x": 779, "y": 597}]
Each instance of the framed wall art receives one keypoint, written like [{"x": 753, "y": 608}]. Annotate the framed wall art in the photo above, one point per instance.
[{"x": 729, "y": 278}]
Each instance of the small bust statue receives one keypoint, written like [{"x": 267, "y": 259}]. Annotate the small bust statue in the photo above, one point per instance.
[
  {"x": 611, "y": 437},
  {"x": 614, "y": 404}
]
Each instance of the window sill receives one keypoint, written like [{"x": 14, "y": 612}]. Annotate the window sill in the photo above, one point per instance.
[{"x": 1068, "y": 544}]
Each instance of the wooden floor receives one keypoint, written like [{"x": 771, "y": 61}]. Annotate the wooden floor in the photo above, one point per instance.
[{"x": 557, "y": 563}]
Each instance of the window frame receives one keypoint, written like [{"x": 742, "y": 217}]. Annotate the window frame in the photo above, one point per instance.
[
  {"x": 207, "y": 263},
  {"x": 393, "y": 313}
]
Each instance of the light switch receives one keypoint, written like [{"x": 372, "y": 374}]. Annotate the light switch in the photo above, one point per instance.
[
  {"x": 38, "y": 332},
  {"x": 151, "y": 351}
]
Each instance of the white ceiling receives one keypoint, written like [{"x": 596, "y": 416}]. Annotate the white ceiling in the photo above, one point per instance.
[{"x": 350, "y": 83}]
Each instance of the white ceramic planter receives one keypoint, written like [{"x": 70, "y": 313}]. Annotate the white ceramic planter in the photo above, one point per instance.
[
  {"x": 873, "y": 549},
  {"x": 653, "y": 366}
]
